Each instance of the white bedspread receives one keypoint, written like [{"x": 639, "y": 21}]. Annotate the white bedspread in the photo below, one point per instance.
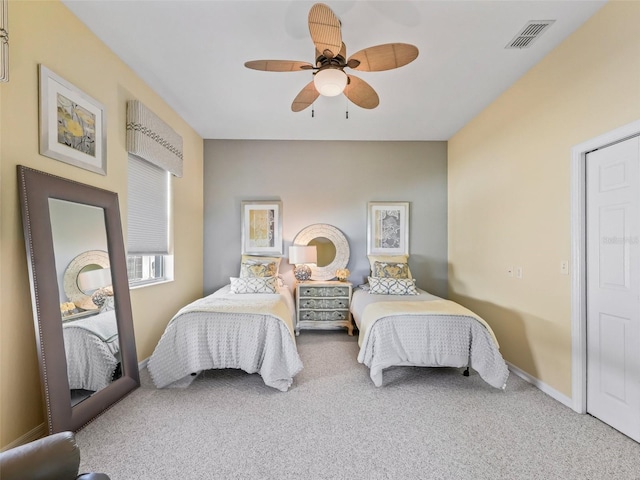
[
  {"x": 395, "y": 330},
  {"x": 252, "y": 332},
  {"x": 92, "y": 350}
]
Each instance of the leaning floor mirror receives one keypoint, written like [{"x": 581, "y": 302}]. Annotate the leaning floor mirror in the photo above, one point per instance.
[{"x": 80, "y": 297}]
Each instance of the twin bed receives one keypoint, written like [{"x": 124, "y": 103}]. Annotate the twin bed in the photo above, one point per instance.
[
  {"x": 424, "y": 331},
  {"x": 402, "y": 325},
  {"x": 92, "y": 351},
  {"x": 250, "y": 324}
]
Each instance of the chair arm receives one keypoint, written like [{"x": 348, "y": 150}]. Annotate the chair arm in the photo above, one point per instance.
[{"x": 55, "y": 457}]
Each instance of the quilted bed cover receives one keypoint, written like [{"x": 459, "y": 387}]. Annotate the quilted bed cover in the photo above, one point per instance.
[
  {"x": 93, "y": 351},
  {"x": 253, "y": 332},
  {"x": 396, "y": 330}
]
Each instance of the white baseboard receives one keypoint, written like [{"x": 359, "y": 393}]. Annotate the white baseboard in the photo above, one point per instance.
[
  {"x": 143, "y": 364},
  {"x": 34, "y": 434},
  {"x": 552, "y": 392}
]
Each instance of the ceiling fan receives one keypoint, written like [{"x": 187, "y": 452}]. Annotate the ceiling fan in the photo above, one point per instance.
[{"x": 329, "y": 77}]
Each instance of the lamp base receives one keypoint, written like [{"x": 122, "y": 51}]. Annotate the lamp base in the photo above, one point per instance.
[
  {"x": 302, "y": 272},
  {"x": 101, "y": 296}
]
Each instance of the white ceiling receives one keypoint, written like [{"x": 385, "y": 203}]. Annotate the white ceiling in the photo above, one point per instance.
[{"x": 192, "y": 54}]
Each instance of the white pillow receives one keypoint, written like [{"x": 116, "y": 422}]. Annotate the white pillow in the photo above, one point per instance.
[
  {"x": 254, "y": 284},
  {"x": 392, "y": 286}
]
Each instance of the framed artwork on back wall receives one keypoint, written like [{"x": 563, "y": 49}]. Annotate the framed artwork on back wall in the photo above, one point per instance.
[
  {"x": 388, "y": 228},
  {"x": 262, "y": 228}
]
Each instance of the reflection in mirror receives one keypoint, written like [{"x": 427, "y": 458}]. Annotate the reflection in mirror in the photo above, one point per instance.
[
  {"x": 90, "y": 332},
  {"x": 80, "y": 297},
  {"x": 332, "y": 246},
  {"x": 92, "y": 277},
  {"x": 326, "y": 250},
  {"x": 85, "y": 276}
]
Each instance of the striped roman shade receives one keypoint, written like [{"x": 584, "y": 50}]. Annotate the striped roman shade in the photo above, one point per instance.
[{"x": 151, "y": 139}]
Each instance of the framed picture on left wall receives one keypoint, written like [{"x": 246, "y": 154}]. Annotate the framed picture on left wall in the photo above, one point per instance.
[
  {"x": 72, "y": 124},
  {"x": 262, "y": 228},
  {"x": 4, "y": 41}
]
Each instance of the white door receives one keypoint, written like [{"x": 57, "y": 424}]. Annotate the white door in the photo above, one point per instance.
[{"x": 613, "y": 285}]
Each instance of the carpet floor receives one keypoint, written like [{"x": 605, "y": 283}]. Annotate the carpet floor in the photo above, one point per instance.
[{"x": 423, "y": 423}]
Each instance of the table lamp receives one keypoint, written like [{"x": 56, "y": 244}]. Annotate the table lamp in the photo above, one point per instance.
[{"x": 301, "y": 256}]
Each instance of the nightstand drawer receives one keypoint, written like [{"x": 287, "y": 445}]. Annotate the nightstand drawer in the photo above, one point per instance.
[
  {"x": 324, "y": 315},
  {"x": 324, "y": 303},
  {"x": 325, "y": 291}
]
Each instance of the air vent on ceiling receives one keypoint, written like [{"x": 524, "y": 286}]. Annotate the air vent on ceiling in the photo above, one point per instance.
[{"x": 529, "y": 33}]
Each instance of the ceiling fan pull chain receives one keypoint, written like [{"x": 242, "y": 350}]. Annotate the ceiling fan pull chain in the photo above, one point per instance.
[
  {"x": 347, "y": 107},
  {"x": 313, "y": 112}
]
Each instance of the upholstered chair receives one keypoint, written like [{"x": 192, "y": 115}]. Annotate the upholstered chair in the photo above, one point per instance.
[{"x": 56, "y": 457}]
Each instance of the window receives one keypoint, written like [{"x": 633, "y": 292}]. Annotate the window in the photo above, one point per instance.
[
  {"x": 145, "y": 268},
  {"x": 149, "y": 196},
  {"x": 155, "y": 154}
]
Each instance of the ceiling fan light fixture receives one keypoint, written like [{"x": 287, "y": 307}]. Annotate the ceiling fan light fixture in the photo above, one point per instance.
[{"x": 330, "y": 81}]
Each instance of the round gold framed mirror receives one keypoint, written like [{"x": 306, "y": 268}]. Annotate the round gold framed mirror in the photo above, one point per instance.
[{"x": 332, "y": 246}]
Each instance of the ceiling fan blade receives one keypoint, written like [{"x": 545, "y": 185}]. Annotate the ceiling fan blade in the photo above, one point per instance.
[
  {"x": 383, "y": 57},
  {"x": 306, "y": 97},
  {"x": 324, "y": 27},
  {"x": 361, "y": 93},
  {"x": 278, "y": 65}
]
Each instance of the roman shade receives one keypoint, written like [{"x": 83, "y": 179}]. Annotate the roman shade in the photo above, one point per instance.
[
  {"x": 148, "y": 211},
  {"x": 151, "y": 139}
]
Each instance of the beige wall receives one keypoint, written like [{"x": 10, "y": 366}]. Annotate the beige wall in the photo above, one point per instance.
[
  {"x": 509, "y": 188},
  {"x": 47, "y": 33}
]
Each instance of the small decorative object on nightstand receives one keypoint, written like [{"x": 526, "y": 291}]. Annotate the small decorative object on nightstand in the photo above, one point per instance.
[
  {"x": 323, "y": 305},
  {"x": 301, "y": 256},
  {"x": 342, "y": 274}
]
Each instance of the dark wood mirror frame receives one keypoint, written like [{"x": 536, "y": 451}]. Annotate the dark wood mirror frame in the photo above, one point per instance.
[{"x": 36, "y": 188}]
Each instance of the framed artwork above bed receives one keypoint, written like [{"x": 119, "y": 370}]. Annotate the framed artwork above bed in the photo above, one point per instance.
[
  {"x": 262, "y": 228},
  {"x": 388, "y": 228}
]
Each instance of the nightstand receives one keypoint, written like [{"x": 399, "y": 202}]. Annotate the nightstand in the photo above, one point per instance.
[
  {"x": 81, "y": 314},
  {"x": 323, "y": 305}
]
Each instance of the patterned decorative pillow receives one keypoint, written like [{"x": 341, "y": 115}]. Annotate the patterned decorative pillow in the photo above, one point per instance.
[
  {"x": 257, "y": 259},
  {"x": 254, "y": 268},
  {"x": 388, "y": 259},
  {"x": 392, "y": 286},
  {"x": 390, "y": 270},
  {"x": 254, "y": 284}
]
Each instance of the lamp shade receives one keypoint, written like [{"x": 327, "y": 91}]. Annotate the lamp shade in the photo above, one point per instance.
[
  {"x": 301, "y": 254},
  {"x": 330, "y": 81},
  {"x": 94, "y": 279}
]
